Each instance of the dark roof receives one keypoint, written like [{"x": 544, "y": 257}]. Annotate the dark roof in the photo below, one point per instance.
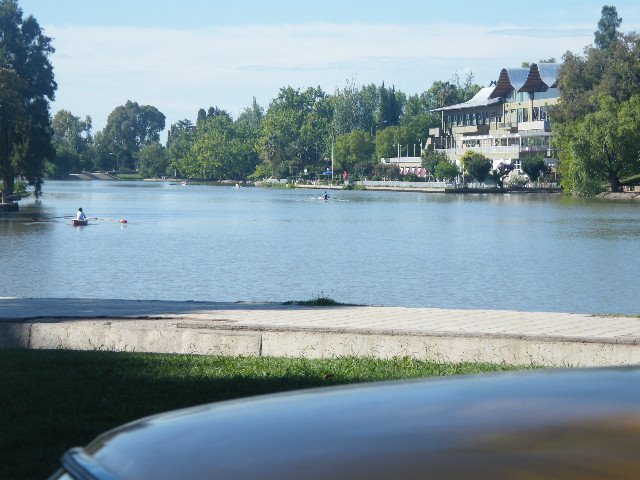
[{"x": 539, "y": 77}]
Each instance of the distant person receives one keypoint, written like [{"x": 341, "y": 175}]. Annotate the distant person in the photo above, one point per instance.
[
  {"x": 325, "y": 196},
  {"x": 80, "y": 215}
]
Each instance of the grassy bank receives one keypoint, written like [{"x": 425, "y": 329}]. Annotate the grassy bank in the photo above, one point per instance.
[{"x": 53, "y": 400}]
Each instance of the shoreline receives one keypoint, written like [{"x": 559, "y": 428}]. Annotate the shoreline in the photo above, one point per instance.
[{"x": 298, "y": 331}]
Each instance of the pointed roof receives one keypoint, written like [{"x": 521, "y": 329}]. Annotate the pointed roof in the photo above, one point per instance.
[
  {"x": 510, "y": 79},
  {"x": 539, "y": 77}
]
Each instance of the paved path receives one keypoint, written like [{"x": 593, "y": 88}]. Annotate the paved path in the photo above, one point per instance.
[{"x": 558, "y": 339}]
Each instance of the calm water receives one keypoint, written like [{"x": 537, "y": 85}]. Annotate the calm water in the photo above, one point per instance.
[{"x": 534, "y": 252}]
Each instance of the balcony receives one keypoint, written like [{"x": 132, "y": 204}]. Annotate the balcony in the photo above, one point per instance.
[
  {"x": 470, "y": 130},
  {"x": 541, "y": 125}
]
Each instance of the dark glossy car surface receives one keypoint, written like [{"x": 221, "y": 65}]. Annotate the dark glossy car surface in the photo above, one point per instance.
[{"x": 565, "y": 424}]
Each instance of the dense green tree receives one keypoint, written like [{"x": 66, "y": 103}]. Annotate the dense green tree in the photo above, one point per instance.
[
  {"x": 476, "y": 164},
  {"x": 594, "y": 86},
  {"x": 72, "y": 140},
  {"x": 210, "y": 150},
  {"x": 179, "y": 142},
  {"x": 603, "y": 147},
  {"x": 416, "y": 104},
  {"x": 534, "y": 167},
  {"x": 354, "y": 149},
  {"x": 153, "y": 161},
  {"x": 416, "y": 129},
  {"x": 354, "y": 109},
  {"x": 27, "y": 85},
  {"x": 607, "y": 27},
  {"x": 217, "y": 148},
  {"x": 446, "y": 170},
  {"x": 431, "y": 158},
  {"x": 130, "y": 127},
  {"x": 70, "y": 131},
  {"x": 390, "y": 107},
  {"x": 295, "y": 132},
  {"x": 251, "y": 117},
  {"x": 387, "y": 141}
]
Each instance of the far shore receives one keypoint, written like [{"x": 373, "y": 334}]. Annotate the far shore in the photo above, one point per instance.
[{"x": 395, "y": 186}]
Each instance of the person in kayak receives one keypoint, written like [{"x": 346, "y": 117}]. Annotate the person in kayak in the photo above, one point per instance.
[
  {"x": 325, "y": 196},
  {"x": 80, "y": 215}
]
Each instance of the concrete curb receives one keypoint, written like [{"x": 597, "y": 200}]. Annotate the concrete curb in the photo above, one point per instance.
[{"x": 174, "y": 335}]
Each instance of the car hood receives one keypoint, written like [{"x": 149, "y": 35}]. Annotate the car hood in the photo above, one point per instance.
[{"x": 554, "y": 423}]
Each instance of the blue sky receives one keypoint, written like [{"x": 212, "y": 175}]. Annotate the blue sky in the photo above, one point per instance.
[{"x": 181, "y": 56}]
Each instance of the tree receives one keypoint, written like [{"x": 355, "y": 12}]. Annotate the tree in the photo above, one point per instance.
[
  {"x": 354, "y": 149},
  {"x": 387, "y": 141},
  {"x": 153, "y": 161},
  {"x": 27, "y": 86},
  {"x": 72, "y": 140},
  {"x": 441, "y": 94},
  {"x": 179, "y": 142},
  {"x": 593, "y": 87},
  {"x": 607, "y": 27},
  {"x": 390, "y": 107},
  {"x": 603, "y": 147},
  {"x": 431, "y": 158},
  {"x": 476, "y": 164},
  {"x": 295, "y": 132},
  {"x": 217, "y": 148},
  {"x": 130, "y": 127},
  {"x": 446, "y": 170},
  {"x": 210, "y": 150},
  {"x": 534, "y": 167},
  {"x": 499, "y": 173},
  {"x": 251, "y": 117}
]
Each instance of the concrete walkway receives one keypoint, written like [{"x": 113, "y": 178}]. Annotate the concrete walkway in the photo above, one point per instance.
[{"x": 542, "y": 338}]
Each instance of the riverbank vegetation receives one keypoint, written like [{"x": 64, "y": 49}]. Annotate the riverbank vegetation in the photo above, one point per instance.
[
  {"x": 27, "y": 86},
  {"x": 301, "y": 130},
  {"x": 293, "y": 138},
  {"x": 52, "y": 400},
  {"x": 597, "y": 120}
]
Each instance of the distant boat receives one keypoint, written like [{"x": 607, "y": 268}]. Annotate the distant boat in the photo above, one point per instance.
[
  {"x": 237, "y": 186},
  {"x": 79, "y": 223},
  {"x": 184, "y": 183}
]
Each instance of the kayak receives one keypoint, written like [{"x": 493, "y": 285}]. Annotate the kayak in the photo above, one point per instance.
[{"x": 79, "y": 223}]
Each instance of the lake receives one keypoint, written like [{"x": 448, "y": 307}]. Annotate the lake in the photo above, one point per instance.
[{"x": 531, "y": 252}]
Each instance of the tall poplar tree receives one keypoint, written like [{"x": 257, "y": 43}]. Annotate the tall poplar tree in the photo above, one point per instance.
[{"x": 27, "y": 86}]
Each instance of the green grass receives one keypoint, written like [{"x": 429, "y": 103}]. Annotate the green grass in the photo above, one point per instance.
[
  {"x": 51, "y": 400},
  {"x": 319, "y": 301},
  {"x": 128, "y": 176}
]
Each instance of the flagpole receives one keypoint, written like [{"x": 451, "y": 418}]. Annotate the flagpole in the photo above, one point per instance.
[{"x": 332, "y": 161}]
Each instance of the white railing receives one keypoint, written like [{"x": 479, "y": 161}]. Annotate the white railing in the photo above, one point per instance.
[
  {"x": 416, "y": 160},
  {"x": 460, "y": 151},
  {"x": 399, "y": 184}
]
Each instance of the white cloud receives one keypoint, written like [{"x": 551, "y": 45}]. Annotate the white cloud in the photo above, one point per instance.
[{"x": 99, "y": 68}]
